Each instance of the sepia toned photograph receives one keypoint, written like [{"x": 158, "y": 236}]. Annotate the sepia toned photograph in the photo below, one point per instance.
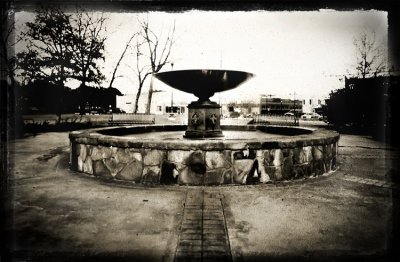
[{"x": 199, "y": 131}]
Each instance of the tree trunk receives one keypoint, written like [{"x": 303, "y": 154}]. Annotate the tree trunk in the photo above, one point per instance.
[
  {"x": 149, "y": 96},
  {"x": 137, "y": 98}
]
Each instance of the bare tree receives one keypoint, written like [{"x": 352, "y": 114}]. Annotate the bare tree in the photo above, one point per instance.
[
  {"x": 152, "y": 54},
  {"x": 369, "y": 55},
  {"x": 127, "y": 45}
]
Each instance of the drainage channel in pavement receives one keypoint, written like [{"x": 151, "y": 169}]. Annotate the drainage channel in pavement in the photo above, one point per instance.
[{"x": 203, "y": 234}]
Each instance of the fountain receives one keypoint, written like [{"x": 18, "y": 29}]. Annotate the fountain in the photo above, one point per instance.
[
  {"x": 204, "y": 115},
  {"x": 203, "y": 152}
]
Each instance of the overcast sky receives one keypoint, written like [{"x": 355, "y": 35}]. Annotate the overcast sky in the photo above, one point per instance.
[{"x": 301, "y": 52}]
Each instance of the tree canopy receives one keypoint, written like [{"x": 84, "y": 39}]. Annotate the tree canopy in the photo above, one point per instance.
[{"x": 63, "y": 46}]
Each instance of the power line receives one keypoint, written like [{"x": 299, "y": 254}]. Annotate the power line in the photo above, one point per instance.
[{"x": 352, "y": 75}]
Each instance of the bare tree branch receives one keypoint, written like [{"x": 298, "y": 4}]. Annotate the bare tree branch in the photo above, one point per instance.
[
  {"x": 127, "y": 45},
  {"x": 369, "y": 56},
  {"x": 156, "y": 49}
]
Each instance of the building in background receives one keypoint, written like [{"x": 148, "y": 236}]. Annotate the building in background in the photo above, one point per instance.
[
  {"x": 160, "y": 105},
  {"x": 279, "y": 106},
  {"x": 162, "y": 109},
  {"x": 126, "y": 102},
  {"x": 312, "y": 104},
  {"x": 235, "y": 109}
]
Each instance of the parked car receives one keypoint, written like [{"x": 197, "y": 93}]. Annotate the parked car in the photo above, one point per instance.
[
  {"x": 234, "y": 114},
  {"x": 311, "y": 116},
  {"x": 118, "y": 110},
  {"x": 289, "y": 114}
]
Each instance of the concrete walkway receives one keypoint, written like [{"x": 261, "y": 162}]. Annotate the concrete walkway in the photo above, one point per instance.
[{"x": 59, "y": 215}]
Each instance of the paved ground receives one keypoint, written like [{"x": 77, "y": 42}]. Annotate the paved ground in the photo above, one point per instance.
[{"x": 59, "y": 215}]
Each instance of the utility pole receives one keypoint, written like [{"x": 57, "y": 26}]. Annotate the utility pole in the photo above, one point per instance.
[
  {"x": 294, "y": 108},
  {"x": 172, "y": 92}
]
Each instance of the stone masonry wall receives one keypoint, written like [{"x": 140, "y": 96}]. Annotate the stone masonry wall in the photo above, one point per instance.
[{"x": 201, "y": 167}]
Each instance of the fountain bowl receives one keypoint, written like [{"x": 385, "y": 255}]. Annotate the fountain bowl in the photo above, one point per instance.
[{"x": 203, "y": 83}]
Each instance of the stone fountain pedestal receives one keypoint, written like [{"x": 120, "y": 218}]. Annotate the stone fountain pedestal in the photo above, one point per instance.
[
  {"x": 204, "y": 120},
  {"x": 204, "y": 115}
]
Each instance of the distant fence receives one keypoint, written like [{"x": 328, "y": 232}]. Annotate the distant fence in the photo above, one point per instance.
[
  {"x": 130, "y": 119},
  {"x": 52, "y": 119},
  {"x": 275, "y": 120},
  {"x": 236, "y": 121}
]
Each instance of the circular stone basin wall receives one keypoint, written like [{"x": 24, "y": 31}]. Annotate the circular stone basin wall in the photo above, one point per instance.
[{"x": 246, "y": 155}]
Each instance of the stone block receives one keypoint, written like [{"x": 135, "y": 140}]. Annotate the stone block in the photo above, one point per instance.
[
  {"x": 328, "y": 151},
  {"x": 106, "y": 152},
  {"x": 151, "y": 175},
  {"x": 287, "y": 152},
  {"x": 114, "y": 150},
  {"x": 238, "y": 146},
  {"x": 273, "y": 157},
  {"x": 122, "y": 155},
  {"x": 318, "y": 153},
  {"x": 77, "y": 149},
  {"x": 333, "y": 163},
  {"x": 278, "y": 158},
  {"x": 96, "y": 153},
  {"x": 73, "y": 157},
  {"x": 271, "y": 172},
  {"x": 307, "y": 150},
  {"x": 83, "y": 152},
  {"x": 253, "y": 176},
  {"x": 308, "y": 169},
  {"x": 260, "y": 154},
  {"x": 299, "y": 170},
  {"x": 318, "y": 167},
  {"x": 113, "y": 165},
  {"x": 169, "y": 174},
  {"x": 242, "y": 169},
  {"x": 131, "y": 172},
  {"x": 153, "y": 157},
  {"x": 179, "y": 167},
  {"x": 264, "y": 177},
  {"x": 228, "y": 176},
  {"x": 327, "y": 164},
  {"x": 216, "y": 159},
  {"x": 188, "y": 177},
  {"x": 214, "y": 177},
  {"x": 133, "y": 155},
  {"x": 269, "y": 157},
  {"x": 178, "y": 156},
  {"x": 100, "y": 169},
  {"x": 334, "y": 148},
  {"x": 244, "y": 154},
  {"x": 261, "y": 167},
  {"x": 87, "y": 165},
  {"x": 287, "y": 167},
  {"x": 80, "y": 164},
  {"x": 299, "y": 156},
  {"x": 274, "y": 173},
  {"x": 278, "y": 173},
  {"x": 196, "y": 162}
]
